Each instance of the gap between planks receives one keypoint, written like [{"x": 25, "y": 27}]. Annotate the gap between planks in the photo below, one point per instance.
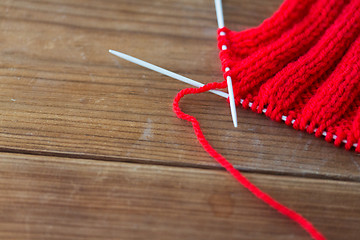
[{"x": 170, "y": 164}]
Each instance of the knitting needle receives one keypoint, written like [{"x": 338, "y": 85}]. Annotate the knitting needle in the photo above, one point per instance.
[
  {"x": 220, "y": 20},
  {"x": 164, "y": 71},
  {"x": 189, "y": 81},
  {"x": 219, "y": 13}
]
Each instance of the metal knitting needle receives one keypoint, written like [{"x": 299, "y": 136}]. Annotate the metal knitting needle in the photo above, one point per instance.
[
  {"x": 164, "y": 71},
  {"x": 191, "y": 82},
  {"x": 220, "y": 20}
]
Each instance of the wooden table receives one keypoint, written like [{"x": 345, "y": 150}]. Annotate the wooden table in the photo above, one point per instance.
[{"x": 90, "y": 147}]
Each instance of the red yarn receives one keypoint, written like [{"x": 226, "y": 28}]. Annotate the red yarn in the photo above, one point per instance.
[
  {"x": 305, "y": 224},
  {"x": 302, "y": 66}
]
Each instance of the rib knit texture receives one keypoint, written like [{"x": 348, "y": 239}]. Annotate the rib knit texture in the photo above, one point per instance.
[{"x": 302, "y": 63}]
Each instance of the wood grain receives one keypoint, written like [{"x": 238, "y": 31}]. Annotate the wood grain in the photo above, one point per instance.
[
  {"x": 62, "y": 93},
  {"x": 43, "y": 198},
  {"x": 90, "y": 148}
]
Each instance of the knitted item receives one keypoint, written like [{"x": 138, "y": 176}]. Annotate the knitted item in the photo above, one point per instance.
[
  {"x": 301, "y": 66},
  {"x": 309, "y": 73}
]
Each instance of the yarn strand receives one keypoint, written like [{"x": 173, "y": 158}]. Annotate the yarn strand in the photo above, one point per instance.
[{"x": 266, "y": 198}]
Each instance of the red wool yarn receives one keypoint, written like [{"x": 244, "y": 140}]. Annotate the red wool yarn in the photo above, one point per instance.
[{"x": 301, "y": 66}]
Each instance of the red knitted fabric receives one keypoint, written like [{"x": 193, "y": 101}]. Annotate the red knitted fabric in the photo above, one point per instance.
[
  {"x": 306, "y": 72},
  {"x": 301, "y": 66}
]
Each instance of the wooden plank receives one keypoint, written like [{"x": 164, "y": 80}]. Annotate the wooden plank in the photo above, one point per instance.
[
  {"x": 57, "y": 198},
  {"x": 63, "y": 94}
]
